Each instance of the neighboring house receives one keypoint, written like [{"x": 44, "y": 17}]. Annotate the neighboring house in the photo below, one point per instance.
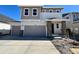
[
  {"x": 41, "y": 21},
  {"x": 73, "y": 25},
  {"x": 6, "y": 21}
]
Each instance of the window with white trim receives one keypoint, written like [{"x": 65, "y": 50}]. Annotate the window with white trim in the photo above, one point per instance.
[
  {"x": 50, "y": 11},
  {"x": 57, "y": 25},
  {"x": 58, "y": 11},
  {"x": 67, "y": 17},
  {"x": 26, "y": 11},
  {"x": 34, "y": 12}
]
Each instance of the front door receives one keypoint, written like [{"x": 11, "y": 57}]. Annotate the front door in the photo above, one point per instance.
[{"x": 52, "y": 28}]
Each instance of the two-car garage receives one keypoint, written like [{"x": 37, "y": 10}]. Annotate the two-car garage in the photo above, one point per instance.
[{"x": 34, "y": 29}]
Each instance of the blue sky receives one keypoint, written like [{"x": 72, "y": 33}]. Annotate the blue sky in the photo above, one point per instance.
[{"x": 13, "y": 11}]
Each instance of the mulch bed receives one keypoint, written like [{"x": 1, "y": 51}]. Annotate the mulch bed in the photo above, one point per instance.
[{"x": 64, "y": 45}]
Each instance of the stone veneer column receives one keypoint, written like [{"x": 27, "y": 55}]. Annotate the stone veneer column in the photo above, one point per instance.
[
  {"x": 63, "y": 27},
  {"x": 49, "y": 29}
]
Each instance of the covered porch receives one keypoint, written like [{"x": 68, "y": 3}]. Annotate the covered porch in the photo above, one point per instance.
[{"x": 56, "y": 26}]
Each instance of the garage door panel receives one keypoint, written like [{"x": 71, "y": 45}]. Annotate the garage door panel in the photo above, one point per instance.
[{"x": 34, "y": 31}]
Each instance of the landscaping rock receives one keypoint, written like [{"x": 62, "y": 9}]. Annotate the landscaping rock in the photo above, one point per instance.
[{"x": 64, "y": 45}]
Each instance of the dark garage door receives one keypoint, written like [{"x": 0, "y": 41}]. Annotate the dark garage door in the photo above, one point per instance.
[{"x": 35, "y": 31}]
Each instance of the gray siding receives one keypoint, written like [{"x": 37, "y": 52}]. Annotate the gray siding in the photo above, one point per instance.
[
  {"x": 35, "y": 31},
  {"x": 15, "y": 30},
  {"x": 30, "y": 13}
]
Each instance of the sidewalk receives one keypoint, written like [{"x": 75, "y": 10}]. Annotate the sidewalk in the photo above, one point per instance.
[{"x": 27, "y": 47}]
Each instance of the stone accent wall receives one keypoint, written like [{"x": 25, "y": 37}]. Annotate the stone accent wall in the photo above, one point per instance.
[
  {"x": 49, "y": 29},
  {"x": 63, "y": 27},
  {"x": 15, "y": 30}
]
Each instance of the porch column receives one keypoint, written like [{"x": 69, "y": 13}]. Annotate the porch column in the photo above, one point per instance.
[
  {"x": 49, "y": 29},
  {"x": 63, "y": 27}
]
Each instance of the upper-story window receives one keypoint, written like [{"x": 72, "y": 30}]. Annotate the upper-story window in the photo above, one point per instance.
[
  {"x": 67, "y": 17},
  {"x": 26, "y": 11},
  {"x": 50, "y": 11},
  {"x": 75, "y": 17},
  {"x": 35, "y": 12},
  {"x": 58, "y": 11}
]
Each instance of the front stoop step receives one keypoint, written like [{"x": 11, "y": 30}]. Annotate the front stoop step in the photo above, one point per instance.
[{"x": 56, "y": 36}]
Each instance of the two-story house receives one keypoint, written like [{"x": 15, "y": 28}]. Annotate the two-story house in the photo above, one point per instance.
[{"x": 41, "y": 21}]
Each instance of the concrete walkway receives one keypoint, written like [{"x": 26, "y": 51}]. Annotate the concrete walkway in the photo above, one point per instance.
[{"x": 27, "y": 47}]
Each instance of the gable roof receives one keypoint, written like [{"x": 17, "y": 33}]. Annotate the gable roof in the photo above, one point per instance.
[
  {"x": 6, "y": 19},
  {"x": 64, "y": 14}
]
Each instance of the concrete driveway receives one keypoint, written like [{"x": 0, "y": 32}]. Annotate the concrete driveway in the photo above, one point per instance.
[{"x": 27, "y": 47}]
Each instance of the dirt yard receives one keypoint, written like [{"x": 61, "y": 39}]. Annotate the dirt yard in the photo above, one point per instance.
[{"x": 64, "y": 45}]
